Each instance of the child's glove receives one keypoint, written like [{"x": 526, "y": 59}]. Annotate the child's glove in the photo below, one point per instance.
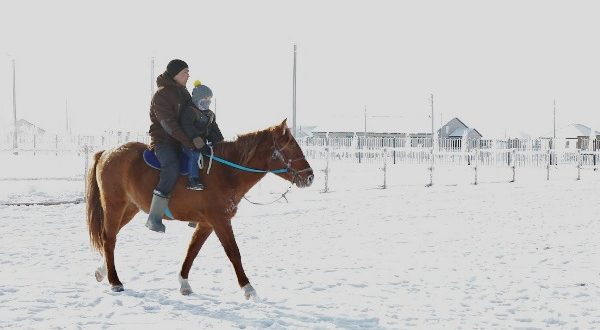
[{"x": 198, "y": 142}]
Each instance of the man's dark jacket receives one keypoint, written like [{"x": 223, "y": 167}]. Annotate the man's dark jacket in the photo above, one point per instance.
[{"x": 165, "y": 109}]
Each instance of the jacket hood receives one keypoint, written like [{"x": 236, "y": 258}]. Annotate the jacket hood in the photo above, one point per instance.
[{"x": 165, "y": 80}]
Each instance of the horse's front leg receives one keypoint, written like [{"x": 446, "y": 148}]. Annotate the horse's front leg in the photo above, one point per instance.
[
  {"x": 200, "y": 235},
  {"x": 225, "y": 233}
]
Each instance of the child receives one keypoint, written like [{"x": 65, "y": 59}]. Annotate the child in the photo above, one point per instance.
[{"x": 197, "y": 120}]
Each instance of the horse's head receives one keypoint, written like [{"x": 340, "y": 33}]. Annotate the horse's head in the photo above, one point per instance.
[{"x": 287, "y": 154}]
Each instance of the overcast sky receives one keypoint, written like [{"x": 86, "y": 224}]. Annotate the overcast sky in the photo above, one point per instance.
[{"x": 497, "y": 65}]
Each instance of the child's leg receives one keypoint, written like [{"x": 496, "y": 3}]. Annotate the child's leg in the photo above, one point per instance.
[{"x": 193, "y": 163}]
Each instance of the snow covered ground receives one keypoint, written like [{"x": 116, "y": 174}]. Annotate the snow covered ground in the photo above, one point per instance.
[{"x": 456, "y": 255}]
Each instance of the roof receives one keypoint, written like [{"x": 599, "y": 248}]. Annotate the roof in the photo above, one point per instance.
[
  {"x": 574, "y": 130},
  {"x": 461, "y": 131}
]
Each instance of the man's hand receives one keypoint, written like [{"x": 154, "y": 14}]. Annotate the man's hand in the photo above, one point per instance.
[{"x": 188, "y": 145}]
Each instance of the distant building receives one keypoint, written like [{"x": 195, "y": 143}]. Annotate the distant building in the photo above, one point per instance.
[
  {"x": 573, "y": 131},
  {"x": 577, "y": 136},
  {"x": 304, "y": 131},
  {"x": 27, "y": 128},
  {"x": 456, "y": 129},
  {"x": 358, "y": 134}
]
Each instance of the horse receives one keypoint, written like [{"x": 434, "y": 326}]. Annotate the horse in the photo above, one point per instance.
[{"x": 120, "y": 184}]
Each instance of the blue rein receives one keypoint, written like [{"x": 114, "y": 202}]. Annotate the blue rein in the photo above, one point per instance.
[{"x": 244, "y": 168}]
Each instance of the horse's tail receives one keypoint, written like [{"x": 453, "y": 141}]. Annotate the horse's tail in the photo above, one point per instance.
[{"x": 95, "y": 213}]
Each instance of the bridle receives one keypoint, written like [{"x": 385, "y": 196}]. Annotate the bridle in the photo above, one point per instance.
[
  {"x": 278, "y": 154},
  {"x": 287, "y": 162}
]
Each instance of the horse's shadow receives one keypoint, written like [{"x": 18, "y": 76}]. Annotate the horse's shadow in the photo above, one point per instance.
[{"x": 235, "y": 312}]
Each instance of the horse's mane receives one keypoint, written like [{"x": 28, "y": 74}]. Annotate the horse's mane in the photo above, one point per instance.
[{"x": 245, "y": 146}]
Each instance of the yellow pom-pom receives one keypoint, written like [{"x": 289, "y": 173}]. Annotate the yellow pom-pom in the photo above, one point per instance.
[{"x": 197, "y": 83}]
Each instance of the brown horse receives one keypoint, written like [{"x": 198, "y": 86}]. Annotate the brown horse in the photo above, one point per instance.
[{"x": 120, "y": 184}]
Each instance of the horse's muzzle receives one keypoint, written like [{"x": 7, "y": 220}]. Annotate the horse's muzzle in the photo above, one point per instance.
[
  {"x": 309, "y": 180},
  {"x": 303, "y": 182}
]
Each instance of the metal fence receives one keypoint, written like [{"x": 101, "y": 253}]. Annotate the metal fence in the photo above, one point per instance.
[
  {"x": 398, "y": 150},
  {"x": 485, "y": 152},
  {"x": 62, "y": 142}
]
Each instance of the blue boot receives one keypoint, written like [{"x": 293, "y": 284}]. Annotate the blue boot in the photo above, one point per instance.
[{"x": 157, "y": 209}]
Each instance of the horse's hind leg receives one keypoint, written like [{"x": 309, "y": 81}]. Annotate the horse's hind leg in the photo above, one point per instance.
[
  {"x": 113, "y": 216},
  {"x": 200, "y": 235},
  {"x": 225, "y": 233},
  {"x": 130, "y": 212}
]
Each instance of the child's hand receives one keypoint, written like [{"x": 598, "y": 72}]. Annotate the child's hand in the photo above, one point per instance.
[{"x": 198, "y": 142}]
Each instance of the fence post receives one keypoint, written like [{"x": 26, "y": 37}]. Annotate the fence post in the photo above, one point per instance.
[
  {"x": 476, "y": 160},
  {"x": 514, "y": 164},
  {"x": 431, "y": 166},
  {"x": 326, "y": 170},
  {"x": 359, "y": 145},
  {"x": 394, "y": 151},
  {"x": 86, "y": 150},
  {"x": 548, "y": 165},
  {"x": 578, "y": 164},
  {"x": 384, "y": 168}
]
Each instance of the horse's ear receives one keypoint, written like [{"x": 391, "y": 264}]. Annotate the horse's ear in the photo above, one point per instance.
[{"x": 283, "y": 126}]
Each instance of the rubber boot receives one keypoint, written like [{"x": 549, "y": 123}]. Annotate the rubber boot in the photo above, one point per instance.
[{"x": 157, "y": 209}]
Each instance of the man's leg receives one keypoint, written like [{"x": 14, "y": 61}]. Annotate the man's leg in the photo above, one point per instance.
[{"x": 168, "y": 156}]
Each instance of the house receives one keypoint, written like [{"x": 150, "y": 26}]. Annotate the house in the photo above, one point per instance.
[
  {"x": 24, "y": 127},
  {"x": 304, "y": 131},
  {"x": 457, "y": 129},
  {"x": 577, "y": 136}
]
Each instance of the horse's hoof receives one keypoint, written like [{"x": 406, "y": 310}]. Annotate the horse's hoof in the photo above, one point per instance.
[
  {"x": 100, "y": 273},
  {"x": 117, "y": 288},
  {"x": 185, "y": 288},
  {"x": 249, "y": 291},
  {"x": 99, "y": 276}
]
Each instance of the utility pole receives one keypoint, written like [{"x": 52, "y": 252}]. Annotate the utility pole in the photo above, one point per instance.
[
  {"x": 14, "y": 106},
  {"x": 432, "y": 128},
  {"x": 67, "y": 115},
  {"x": 432, "y": 147},
  {"x": 152, "y": 77},
  {"x": 365, "y": 121},
  {"x": 294, "y": 92},
  {"x": 555, "y": 118}
]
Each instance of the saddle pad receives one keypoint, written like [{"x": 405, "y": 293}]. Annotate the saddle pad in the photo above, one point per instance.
[{"x": 152, "y": 161}]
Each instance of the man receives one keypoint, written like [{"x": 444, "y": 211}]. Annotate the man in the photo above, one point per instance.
[{"x": 167, "y": 137}]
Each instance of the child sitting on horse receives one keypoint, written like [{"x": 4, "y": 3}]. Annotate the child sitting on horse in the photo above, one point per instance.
[{"x": 197, "y": 120}]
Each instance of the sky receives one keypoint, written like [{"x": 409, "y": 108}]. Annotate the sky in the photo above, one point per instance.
[{"x": 496, "y": 65}]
